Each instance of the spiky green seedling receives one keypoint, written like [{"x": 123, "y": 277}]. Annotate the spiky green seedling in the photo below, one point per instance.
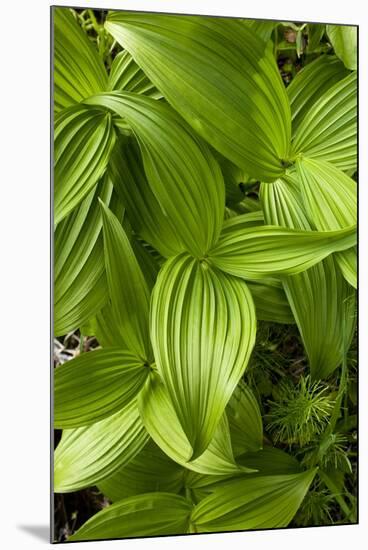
[{"x": 301, "y": 412}]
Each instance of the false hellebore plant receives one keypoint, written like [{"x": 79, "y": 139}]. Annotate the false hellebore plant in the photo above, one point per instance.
[{"x": 161, "y": 257}]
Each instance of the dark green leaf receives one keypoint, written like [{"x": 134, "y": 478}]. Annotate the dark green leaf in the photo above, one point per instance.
[
  {"x": 245, "y": 420},
  {"x": 151, "y": 470},
  {"x": 144, "y": 211},
  {"x": 270, "y": 301}
]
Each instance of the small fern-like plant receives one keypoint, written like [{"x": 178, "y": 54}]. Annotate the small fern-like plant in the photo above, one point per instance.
[{"x": 301, "y": 412}]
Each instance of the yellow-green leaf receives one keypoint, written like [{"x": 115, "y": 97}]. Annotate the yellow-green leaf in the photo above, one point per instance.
[
  {"x": 180, "y": 168},
  {"x": 203, "y": 331},
  {"x": 138, "y": 516},
  {"x": 95, "y": 385},
  {"x": 252, "y": 503},
  {"x": 194, "y": 61},
  {"x": 85, "y": 456},
  {"x": 78, "y": 69},
  {"x": 84, "y": 138}
]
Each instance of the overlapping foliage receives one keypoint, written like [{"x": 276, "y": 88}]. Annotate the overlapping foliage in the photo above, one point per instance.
[{"x": 164, "y": 257}]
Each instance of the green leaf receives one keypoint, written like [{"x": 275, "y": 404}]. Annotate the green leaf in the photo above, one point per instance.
[
  {"x": 270, "y": 301},
  {"x": 161, "y": 422},
  {"x": 128, "y": 289},
  {"x": 125, "y": 75},
  {"x": 312, "y": 82},
  {"x": 78, "y": 70},
  {"x": 151, "y": 470},
  {"x": 95, "y": 385},
  {"x": 245, "y": 420},
  {"x": 194, "y": 309},
  {"x": 84, "y": 138},
  {"x": 267, "y": 461},
  {"x": 344, "y": 40},
  {"x": 257, "y": 252},
  {"x": 180, "y": 168},
  {"x": 233, "y": 178},
  {"x": 270, "y": 461},
  {"x": 263, "y": 29},
  {"x": 191, "y": 59},
  {"x": 106, "y": 328},
  {"x": 138, "y": 516},
  {"x": 144, "y": 211},
  {"x": 322, "y": 302},
  {"x": 85, "y": 456},
  {"x": 243, "y": 221},
  {"x": 252, "y": 503},
  {"x": 80, "y": 287},
  {"x": 315, "y": 34},
  {"x": 330, "y": 199},
  {"x": 328, "y": 131}
]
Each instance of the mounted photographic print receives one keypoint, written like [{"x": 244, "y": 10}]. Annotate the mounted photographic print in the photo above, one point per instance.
[{"x": 204, "y": 277}]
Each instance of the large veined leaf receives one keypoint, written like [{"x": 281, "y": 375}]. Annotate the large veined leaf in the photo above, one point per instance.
[
  {"x": 330, "y": 199},
  {"x": 257, "y": 252},
  {"x": 191, "y": 59},
  {"x": 138, "y": 516},
  {"x": 344, "y": 39},
  {"x": 95, "y": 385},
  {"x": 203, "y": 330},
  {"x": 80, "y": 287},
  {"x": 145, "y": 214},
  {"x": 83, "y": 141},
  {"x": 323, "y": 304},
  {"x": 268, "y": 461},
  {"x": 270, "y": 301},
  {"x": 245, "y": 420},
  {"x": 128, "y": 289},
  {"x": 162, "y": 424},
  {"x": 151, "y": 470},
  {"x": 85, "y": 456},
  {"x": 252, "y": 503},
  {"x": 125, "y": 75},
  {"x": 328, "y": 130},
  {"x": 180, "y": 168},
  {"x": 322, "y": 301},
  {"x": 311, "y": 83},
  {"x": 105, "y": 326},
  {"x": 78, "y": 70},
  {"x": 240, "y": 222}
]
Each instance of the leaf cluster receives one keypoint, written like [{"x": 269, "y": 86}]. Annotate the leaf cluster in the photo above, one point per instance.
[{"x": 197, "y": 197}]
